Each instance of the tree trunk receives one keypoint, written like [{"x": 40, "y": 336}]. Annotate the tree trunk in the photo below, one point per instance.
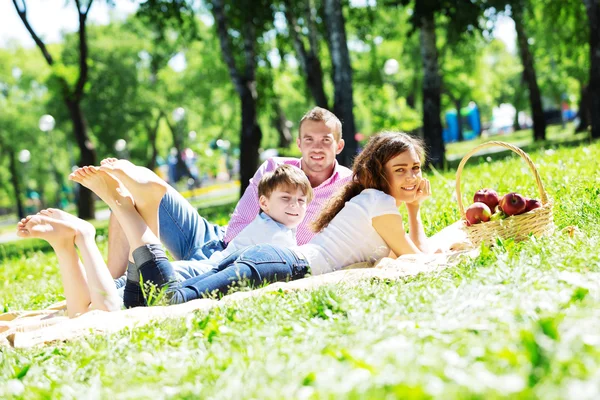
[
  {"x": 281, "y": 123},
  {"x": 516, "y": 124},
  {"x": 584, "y": 110},
  {"x": 432, "y": 86},
  {"x": 251, "y": 136},
  {"x": 342, "y": 77},
  {"x": 308, "y": 59},
  {"x": 87, "y": 156},
  {"x": 152, "y": 134},
  {"x": 535, "y": 98},
  {"x": 14, "y": 179},
  {"x": 181, "y": 167},
  {"x": 458, "y": 105},
  {"x": 411, "y": 100},
  {"x": 245, "y": 85},
  {"x": 72, "y": 98},
  {"x": 593, "y": 11}
]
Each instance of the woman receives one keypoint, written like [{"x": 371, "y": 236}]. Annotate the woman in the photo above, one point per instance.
[{"x": 360, "y": 223}]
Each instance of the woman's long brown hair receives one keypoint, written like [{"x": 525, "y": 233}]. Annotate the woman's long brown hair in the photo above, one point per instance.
[{"x": 368, "y": 171}]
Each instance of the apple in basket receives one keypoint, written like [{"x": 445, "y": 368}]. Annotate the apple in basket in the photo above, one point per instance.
[
  {"x": 532, "y": 204},
  {"x": 478, "y": 212},
  {"x": 513, "y": 204},
  {"x": 488, "y": 197}
]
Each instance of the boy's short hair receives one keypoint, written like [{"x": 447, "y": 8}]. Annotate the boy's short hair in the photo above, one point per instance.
[
  {"x": 286, "y": 177},
  {"x": 319, "y": 114}
]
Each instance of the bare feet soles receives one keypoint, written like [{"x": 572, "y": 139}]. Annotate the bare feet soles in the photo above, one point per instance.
[
  {"x": 145, "y": 186},
  {"x": 56, "y": 232},
  {"x": 84, "y": 228},
  {"x": 105, "y": 185}
]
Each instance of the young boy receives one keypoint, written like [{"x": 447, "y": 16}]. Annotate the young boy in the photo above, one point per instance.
[{"x": 283, "y": 196}]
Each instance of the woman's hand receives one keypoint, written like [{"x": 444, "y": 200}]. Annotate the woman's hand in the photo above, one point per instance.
[{"x": 423, "y": 192}]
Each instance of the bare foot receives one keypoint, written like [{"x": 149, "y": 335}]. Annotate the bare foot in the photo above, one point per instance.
[
  {"x": 85, "y": 230},
  {"x": 105, "y": 185},
  {"x": 57, "y": 233},
  {"x": 146, "y": 187},
  {"x": 109, "y": 160},
  {"x": 23, "y": 221}
]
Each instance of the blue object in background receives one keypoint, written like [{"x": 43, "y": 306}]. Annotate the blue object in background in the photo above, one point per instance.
[{"x": 471, "y": 125}]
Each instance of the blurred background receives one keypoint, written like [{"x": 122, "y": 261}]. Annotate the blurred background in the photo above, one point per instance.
[{"x": 203, "y": 91}]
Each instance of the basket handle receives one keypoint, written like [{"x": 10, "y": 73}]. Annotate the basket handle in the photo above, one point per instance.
[{"x": 538, "y": 180}]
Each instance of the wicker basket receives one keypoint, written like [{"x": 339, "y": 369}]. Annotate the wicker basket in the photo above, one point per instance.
[{"x": 537, "y": 222}]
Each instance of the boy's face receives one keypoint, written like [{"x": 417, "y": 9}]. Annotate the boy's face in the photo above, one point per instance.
[{"x": 285, "y": 205}]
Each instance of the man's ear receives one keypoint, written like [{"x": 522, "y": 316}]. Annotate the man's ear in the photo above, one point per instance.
[
  {"x": 298, "y": 142},
  {"x": 262, "y": 201},
  {"x": 340, "y": 146}
]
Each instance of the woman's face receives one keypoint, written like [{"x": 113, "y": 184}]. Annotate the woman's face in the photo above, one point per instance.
[{"x": 403, "y": 173}]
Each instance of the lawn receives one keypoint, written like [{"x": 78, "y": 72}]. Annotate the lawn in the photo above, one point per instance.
[{"x": 520, "y": 321}]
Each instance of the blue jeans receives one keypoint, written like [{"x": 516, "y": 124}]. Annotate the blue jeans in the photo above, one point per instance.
[
  {"x": 256, "y": 265},
  {"x": 190, "y": 239}
]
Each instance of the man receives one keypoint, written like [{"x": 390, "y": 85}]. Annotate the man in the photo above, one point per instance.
[{"x": 190, "y": 238}]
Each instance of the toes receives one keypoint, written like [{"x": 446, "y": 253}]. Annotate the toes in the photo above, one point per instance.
[
  {"x": 108, "y": 161},
  {"x": 90, "y": 170},
  {"x": 74, "y": 177}
]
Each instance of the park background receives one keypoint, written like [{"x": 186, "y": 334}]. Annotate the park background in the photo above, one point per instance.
[
  {"x": 223, "y": 82},
  {"x": 160, "y": 82}
]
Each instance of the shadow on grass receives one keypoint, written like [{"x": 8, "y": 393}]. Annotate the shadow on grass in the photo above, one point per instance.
[{"x": 500, "y": 154}]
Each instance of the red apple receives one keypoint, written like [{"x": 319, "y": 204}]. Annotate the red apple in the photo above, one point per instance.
[
  {"x": 532, "y": 204},
  {"x": 478, "y": 212},
  {"x": 488, "y": 197},
  {"x": 513, "y": 204}
]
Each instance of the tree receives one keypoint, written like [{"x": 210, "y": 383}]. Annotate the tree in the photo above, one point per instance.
[
  {"x": 529, "y": 74},
  {"x": 342, "y": 76},
  {"x": 432, "y": 85},
  {"x": 308, "y": 57},
  {"x": 172, "y": 27},
  {"x": 459, "y": 17},
  {"x": 239, "y": 24},
  {"x": 593, "y": 12},
  {"x": 72, "y": 96},
  {"x": 561, "y": 51},
  {"x": 21, "y": 100},
  {"x": 387, "y": 69}
]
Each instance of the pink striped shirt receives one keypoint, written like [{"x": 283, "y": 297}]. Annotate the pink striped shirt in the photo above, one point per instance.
[{"x": 247, "y": 208}]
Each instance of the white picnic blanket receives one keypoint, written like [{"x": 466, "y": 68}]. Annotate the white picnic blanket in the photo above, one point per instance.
[{"x": 30, "y": 328}]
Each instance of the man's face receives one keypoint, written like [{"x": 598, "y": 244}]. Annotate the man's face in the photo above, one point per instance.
[
  {"x": 285, "y": 205},
  {"x": 318, "y": 146}
]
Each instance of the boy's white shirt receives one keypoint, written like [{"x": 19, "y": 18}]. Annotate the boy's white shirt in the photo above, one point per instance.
[{"x": 263, "y": 229}]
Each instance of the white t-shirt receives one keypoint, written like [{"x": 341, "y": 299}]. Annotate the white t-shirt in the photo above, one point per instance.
[
  {"x": 350, "y": 237},
  {"x": 263, "y": 229}
]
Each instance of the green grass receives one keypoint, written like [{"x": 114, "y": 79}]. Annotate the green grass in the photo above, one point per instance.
[
  {"x": 555, "y": 134},
  {"x": 519, "y": 321}
]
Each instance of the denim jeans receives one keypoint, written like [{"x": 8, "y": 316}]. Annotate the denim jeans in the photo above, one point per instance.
[
  {"x": 188, "y": 237},
  {"x": 256, "y": 265}
]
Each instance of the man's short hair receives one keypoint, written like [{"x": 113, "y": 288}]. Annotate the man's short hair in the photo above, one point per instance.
[
  {"x": 319, "y": 114},
  {"x": 285, "y": 177}
]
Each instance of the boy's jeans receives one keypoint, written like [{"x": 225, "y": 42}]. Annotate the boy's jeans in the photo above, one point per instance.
[
  {"x": 257, "y": 265},
  {"x": 190, "y": 239}
]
